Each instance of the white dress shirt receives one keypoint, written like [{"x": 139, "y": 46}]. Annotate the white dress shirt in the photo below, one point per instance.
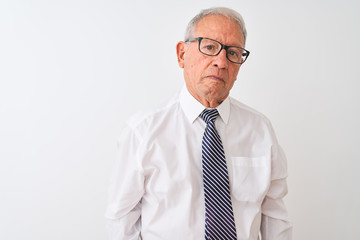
[{"x": 156, "y": 190}]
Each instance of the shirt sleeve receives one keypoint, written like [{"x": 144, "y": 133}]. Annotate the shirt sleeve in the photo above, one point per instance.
[
  {"x": 125, "y": 190},
  {"x": 275, "y": 224}
]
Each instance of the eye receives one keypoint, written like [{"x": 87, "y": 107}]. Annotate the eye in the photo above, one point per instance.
[
  {"x": 233, "y": 53},
  {"x": 210, "y": 47}
]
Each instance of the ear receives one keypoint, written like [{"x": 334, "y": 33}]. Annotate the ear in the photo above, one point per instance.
[{"x": 180, "y": 51}]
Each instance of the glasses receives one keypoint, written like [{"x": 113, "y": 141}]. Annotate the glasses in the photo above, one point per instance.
[{"x": 211, "y": 47}]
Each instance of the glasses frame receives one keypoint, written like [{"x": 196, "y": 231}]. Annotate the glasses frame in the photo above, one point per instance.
[{"x": 226, "y": 47}]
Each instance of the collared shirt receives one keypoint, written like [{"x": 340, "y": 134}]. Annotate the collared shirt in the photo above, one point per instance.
[{"x": 156, "y": 189}]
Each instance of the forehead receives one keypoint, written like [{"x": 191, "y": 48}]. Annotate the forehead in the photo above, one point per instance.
[{"x": 220, "y": 28}]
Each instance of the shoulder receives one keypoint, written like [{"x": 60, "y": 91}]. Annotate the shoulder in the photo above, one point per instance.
[
  {"x": 242, "y": 109},
  {"x": 157, "y": 113},
  {"x": 248, "y": 118}
]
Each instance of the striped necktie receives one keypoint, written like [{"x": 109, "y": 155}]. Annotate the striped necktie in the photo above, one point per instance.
[{"x": 219, "y": 217}]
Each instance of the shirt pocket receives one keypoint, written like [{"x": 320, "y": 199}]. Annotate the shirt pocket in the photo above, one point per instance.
[{"x": 250, "y": 178}]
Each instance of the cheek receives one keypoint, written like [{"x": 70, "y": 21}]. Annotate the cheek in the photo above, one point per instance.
[
  {"x": 195, "y": 71},
  {"x": 233, "y": 75},
  {"x": 191, "y": 75}
]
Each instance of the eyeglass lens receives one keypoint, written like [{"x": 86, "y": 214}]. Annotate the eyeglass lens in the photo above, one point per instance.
[{"x": 212, "y": 48}]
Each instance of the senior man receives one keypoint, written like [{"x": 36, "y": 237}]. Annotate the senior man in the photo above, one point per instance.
[{"x": 204, "y": 166}]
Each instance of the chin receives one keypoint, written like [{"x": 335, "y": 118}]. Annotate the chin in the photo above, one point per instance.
[
  {"x": 216, "y": 94},
  {"x": 216, "y": 90}
]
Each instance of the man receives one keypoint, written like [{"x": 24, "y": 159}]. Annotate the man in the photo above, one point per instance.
[{"x": 204, "y": 165}]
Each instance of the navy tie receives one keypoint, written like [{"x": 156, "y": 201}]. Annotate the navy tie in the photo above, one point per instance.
[{"x": 219, "y": 216}]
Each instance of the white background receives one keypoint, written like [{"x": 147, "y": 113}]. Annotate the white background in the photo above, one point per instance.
[{"x": 72, "y": 72}]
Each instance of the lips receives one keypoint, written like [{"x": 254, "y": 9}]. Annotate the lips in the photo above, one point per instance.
[{"x": 215, "y": 77}]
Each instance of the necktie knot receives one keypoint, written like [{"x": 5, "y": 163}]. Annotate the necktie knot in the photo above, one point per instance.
[{"x": 209, "y": 115}]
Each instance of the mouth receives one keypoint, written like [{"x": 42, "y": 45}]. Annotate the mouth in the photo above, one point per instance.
[{"x": 215, "y": 77}]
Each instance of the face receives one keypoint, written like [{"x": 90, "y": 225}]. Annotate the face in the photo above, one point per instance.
[{"x": 210, "y": 78}]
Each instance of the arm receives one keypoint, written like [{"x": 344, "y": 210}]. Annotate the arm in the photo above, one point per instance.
[
  {"x": 125, "y": 192},
  {"x": 275, "y": 224}
]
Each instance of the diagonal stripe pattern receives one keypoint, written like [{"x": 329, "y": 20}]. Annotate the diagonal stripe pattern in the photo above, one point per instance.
[{"x": 219, "y": 217}]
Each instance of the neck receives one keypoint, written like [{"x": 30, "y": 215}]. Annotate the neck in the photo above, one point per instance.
[{"x": 210, "y": 103}]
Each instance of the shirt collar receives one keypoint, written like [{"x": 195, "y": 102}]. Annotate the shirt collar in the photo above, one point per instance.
[{"x": 192, "y": 107}]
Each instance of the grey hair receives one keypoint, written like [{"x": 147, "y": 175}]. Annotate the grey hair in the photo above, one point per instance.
[{"x": 222, "y": 11}]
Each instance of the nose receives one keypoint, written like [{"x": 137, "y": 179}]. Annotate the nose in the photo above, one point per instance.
[{"x": 221, "y": 60}]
